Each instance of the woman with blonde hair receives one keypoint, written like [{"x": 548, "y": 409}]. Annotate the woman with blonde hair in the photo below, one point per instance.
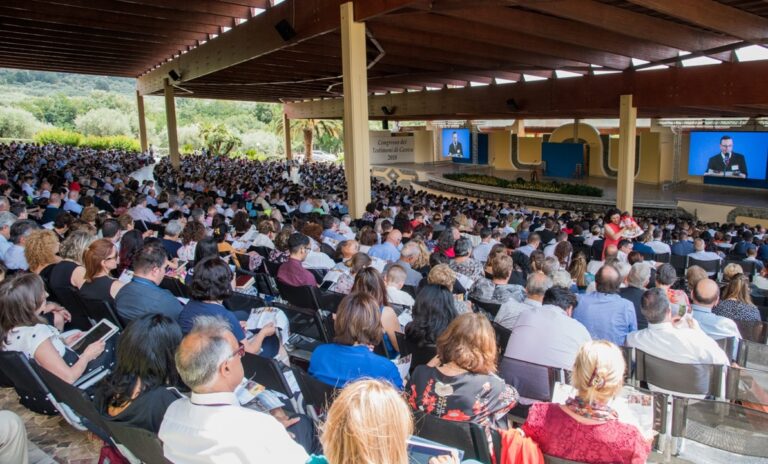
[
  {"x": 736, "y": 302},
  {"x": 464, "y": 387},
  {"x": 594, "y": 433},
  {"x": 578, "y": 271},
  {"x": 368, "y": 423},
  {"x": 40, "y": 250}
]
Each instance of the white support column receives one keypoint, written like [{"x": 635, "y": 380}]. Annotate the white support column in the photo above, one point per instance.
[
  {"x": 357, "y": 163},
  {"x": 142, "y": 122},
  {"x": 625, "y": 188},
  {"x": 170, "y": 117}
]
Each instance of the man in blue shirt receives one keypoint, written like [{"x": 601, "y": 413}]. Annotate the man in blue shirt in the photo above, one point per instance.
[
  {"x": 388, "y": 250},
  {"x": 143, "y": 295},
  {"x": 744, "y": 244},
  {"x": 682, "y": 247},
  {"x": 605, "y": 314},
  {"x": 331, "y": 228}
]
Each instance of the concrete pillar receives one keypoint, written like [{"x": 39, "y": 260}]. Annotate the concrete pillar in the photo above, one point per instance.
[
  {"x": 625, "y": 188},
  {"x": 142, "y": 122},
  {"x": 357, "y": 164},
  {"x": 170, "y": 118},
  {"x": 287, "y": 137},
  {"x": 519, "y": 127}
]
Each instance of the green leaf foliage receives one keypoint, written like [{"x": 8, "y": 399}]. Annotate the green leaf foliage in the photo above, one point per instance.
[{"x": 521, "y": 184}]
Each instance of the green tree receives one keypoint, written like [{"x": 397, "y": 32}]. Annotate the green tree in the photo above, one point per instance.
[
  {"x": 308, "y": 129},
  {"x": 103, "y": 121},
  {"x": 16, "y": 123},
  {"x": 218, "y": 139},
  {"x": 57, "y": 110}
]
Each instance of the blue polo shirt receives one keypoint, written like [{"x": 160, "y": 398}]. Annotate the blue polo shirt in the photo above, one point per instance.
[
  {"x": 195, "y": 309},
  {"x": 606, "y": 316},
  {"x": 337, "y": 365}
]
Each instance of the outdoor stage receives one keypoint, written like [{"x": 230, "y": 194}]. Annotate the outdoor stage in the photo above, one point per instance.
[{"x": 710, "y": 202}]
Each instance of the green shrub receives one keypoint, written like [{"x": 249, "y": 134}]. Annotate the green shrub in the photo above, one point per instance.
[
  {"x": 17, "y": 123},
  {"x": 103, "y": 122},
  {"x": 114, "y": 142},
  {"x": 522, "y": 184},
  {"x": 58, "y": 137}
]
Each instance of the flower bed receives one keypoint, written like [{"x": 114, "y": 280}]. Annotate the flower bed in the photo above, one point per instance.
[{"x": 521, "y": 184}]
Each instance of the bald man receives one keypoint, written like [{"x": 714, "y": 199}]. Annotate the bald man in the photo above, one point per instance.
[
  {"x": 389, "y": 251},
  {"x": 705, "y": 296}
]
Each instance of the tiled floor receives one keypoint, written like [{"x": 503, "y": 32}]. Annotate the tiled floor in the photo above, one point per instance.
[{"x": 52, "y": 435}]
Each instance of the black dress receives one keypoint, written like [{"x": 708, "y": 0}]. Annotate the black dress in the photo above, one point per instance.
[
  {"x": 64, "y": 293},
  {"x": 99, "y": 289},
  {"x": 146, "y": 411}
]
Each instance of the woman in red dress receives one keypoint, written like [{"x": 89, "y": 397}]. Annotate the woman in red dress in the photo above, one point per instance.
[
  {"x": 586, "y": 429},
  {"x": 613, "y": 229}
]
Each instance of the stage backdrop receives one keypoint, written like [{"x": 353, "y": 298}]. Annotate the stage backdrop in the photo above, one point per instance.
[
  {"x": 389, "y": 148},
  {"x": 561, "y": 158}
]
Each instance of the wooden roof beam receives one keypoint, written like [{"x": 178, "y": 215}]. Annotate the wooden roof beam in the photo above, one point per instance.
[
  {"x": 724, "y": 85},
  {"x": 638, "y": 25},
  {"x": 258, "y": 37},
  {"x": 713, "y": 15}
]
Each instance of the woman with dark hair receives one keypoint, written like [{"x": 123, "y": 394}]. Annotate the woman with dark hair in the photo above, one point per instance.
[
  {"x": 367, "y": 238},
  {"x": 736, "y": 302},
  {"x": 192, "y": 233},
  {"x": 368, "y": 280},
  {"x": 211, "y": 285},
  {"x": 432, "y": 312},
  {"x": 613, "y": 230},
  {"x": 141, "y": 386},
  {"x": 445, "y": 242},
  {"x": 358, "y": 330},
  {"x": 130, "y": 243},
  {"x": 22, "y": 299}
]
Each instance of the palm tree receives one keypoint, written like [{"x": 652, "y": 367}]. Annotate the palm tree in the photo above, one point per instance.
[{"x": 307, "y": 129}]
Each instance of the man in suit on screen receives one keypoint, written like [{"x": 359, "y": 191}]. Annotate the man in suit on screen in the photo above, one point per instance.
[
  {"x": 454, "y": 149},
  {"x": 726, "y": 162}
]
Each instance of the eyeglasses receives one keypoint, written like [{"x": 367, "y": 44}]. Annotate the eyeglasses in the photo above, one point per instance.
[{"x": 239, "y": 352}]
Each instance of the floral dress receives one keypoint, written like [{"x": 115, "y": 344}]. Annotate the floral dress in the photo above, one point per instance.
[{"x": 479, "y": 398}]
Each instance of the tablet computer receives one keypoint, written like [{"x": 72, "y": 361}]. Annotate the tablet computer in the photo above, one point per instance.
[{"x": 101, "y": 331}]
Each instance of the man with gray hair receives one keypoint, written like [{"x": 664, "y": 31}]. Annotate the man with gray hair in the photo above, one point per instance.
[
  {"x": 210, "y": 426},
  {"x": 535, "y": 287},
  {"x": 684, "y": 343},
  {"x": 171, "y": 241},
  {"x": 6, "y": 221},
  {"x": 5, "y": 205},
  {"x": 408, "y": 255},
  {"x": 637, "y": 282},
  {"x": 14, "y": 257}
]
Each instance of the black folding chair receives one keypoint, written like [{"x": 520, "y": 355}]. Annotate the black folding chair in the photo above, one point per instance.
[
  {"x": 754, "y": 331},
  {"x": 143, "y": 444},
  {"x": 175, "y": 286},
  {"x": 33, "y": 393},
  {"x": 303, "y": 297},
  {"x": 420, "y": 354},
  {"x": 317, "y": 395},
  {"x": 753, "y": 355},
  {"x": 502, "y": 338},
  {"x": 711, "y": 266},
  {"x": 267, "y": 372},
  {"x": 662, "y": 257},
  {"x": 305, "y": 322},
  {"x": 466, "y": 436},
  {"x": 97, "y": 310},
  {"x": 685, "y": 379},
  {"x": 680, "y": 263},
  {"x": 489, "y": 307},
  {"x": 68, "y": 297}
]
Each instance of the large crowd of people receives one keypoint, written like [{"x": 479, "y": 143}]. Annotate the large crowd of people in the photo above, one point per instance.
[{"x": 416, "y": 274}]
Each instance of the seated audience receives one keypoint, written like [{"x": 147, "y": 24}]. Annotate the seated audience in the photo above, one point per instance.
[
  {"x": 395, "y": 280},
  {"x": 291, "y": 272},
  {"x": 192, "y": 233},
  {"x": 464, "y": 386},
  {"x": 463, "y": 264},
  {"x": 211, "y": 285},
  {"x": 548, "y": 335},
  {"x": 498, "y": 289},
  {"x": 637, "y": 282},
  {"x": 41, "y": 252},
  {"x": 736, "y": 302},
  {"x": 344, "y": 273},
  {"x": 142, "y": 295},
  {"x": 22, "y": 298},
  {"x": 358, "y": 330},
  {"x": 171, "y": 241},
  {"x": 14, "y": 258},
  {"x": 211, "y": 426},
  {"x": 535, "y": 288},
  {"x": 100, "y": 260},
  {"x": 705, "y": 296},
  {"x": 683, "y": 343},
  {"x": 141, "y": 386},
  {"x": 586, "y": 429},
  {"x": 604, "y": 313},
  {"x": 388, "y": 249}
]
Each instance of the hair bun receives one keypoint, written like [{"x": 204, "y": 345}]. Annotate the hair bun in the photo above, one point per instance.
[{"x": 596, "y": 381}]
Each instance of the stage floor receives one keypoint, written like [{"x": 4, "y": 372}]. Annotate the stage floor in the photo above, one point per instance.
[{"x": 713, "y": 194}]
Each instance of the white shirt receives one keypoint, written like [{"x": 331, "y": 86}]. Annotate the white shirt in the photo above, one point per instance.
[
  {"x": 659, "y": 247},
  {"x": 142, "y": 213},
  {"x": 510, "y": 311},
  {"x": 399, "y": 297},
  {"x": 705, "y": 256},
  {"x": 682, "y": 345},
  {"x": 214, "y": 428},
  {"x": 14, "y": 258},
  {"x": 481, "y": 251},
  {"x": 317, "y": 260},
  {"x": 28, "y": 339}
]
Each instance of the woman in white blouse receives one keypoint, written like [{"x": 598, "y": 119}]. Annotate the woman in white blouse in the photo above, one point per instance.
[{"x": 21, "y": 329}]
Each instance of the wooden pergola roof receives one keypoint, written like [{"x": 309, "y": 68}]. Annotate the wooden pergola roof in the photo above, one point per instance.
[{"x": 232, "y": 49}]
